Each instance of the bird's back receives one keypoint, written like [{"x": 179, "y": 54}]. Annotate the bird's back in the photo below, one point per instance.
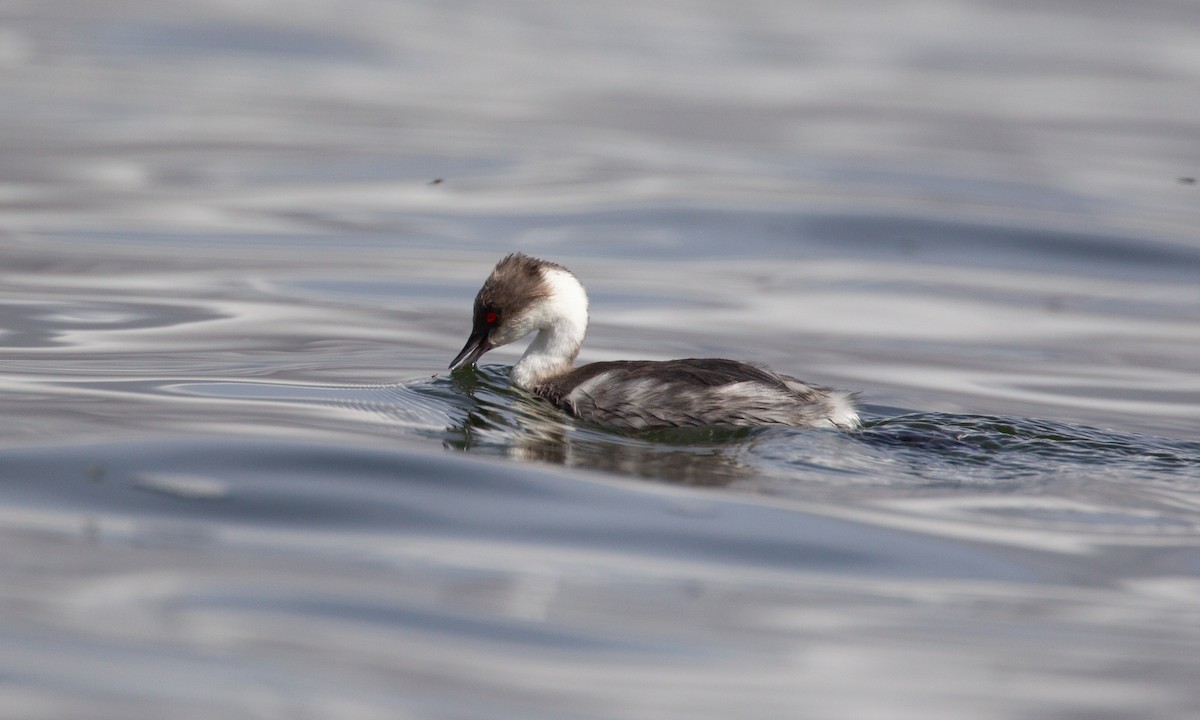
[{"x": 642, "y": 394}]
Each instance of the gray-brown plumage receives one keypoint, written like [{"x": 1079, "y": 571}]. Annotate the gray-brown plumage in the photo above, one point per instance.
[{"x": 524, "y": 294}]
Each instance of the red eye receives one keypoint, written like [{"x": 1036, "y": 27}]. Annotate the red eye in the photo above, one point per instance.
[{"x": 490, "y": 317}]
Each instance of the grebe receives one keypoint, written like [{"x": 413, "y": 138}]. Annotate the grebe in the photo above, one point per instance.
[{"x": 524, "y": 294}]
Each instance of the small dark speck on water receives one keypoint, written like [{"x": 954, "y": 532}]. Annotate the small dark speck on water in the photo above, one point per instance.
[
  {"x": 1187, "y": 181},
  {"x": 437, "y": 181}
]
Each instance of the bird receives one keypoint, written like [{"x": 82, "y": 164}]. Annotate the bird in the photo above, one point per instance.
[{"x": 524, "y": 295}]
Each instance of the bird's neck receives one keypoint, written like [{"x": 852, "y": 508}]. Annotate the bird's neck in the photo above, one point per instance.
[
  {"x": 562, "y": 324},
  {"x": 550, "y": 354}
]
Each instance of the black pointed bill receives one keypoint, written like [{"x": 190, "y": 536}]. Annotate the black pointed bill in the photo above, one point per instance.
[{"x": 476, "y": 346}]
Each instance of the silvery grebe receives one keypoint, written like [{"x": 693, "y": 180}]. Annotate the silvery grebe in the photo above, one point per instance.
[{"x": 524, "y": 294}]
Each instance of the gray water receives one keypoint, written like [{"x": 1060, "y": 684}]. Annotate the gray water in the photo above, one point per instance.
[{"x": 239, "y": 245}]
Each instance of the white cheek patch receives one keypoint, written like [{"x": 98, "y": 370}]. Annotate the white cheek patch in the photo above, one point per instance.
[{"x": 512, "y": 331}]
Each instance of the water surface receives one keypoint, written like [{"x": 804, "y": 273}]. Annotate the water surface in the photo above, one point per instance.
[{"x": 240, "y": 246}]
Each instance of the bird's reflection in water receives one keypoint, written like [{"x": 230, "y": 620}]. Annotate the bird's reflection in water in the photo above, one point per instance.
[{"x": 504, "y": 420}]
